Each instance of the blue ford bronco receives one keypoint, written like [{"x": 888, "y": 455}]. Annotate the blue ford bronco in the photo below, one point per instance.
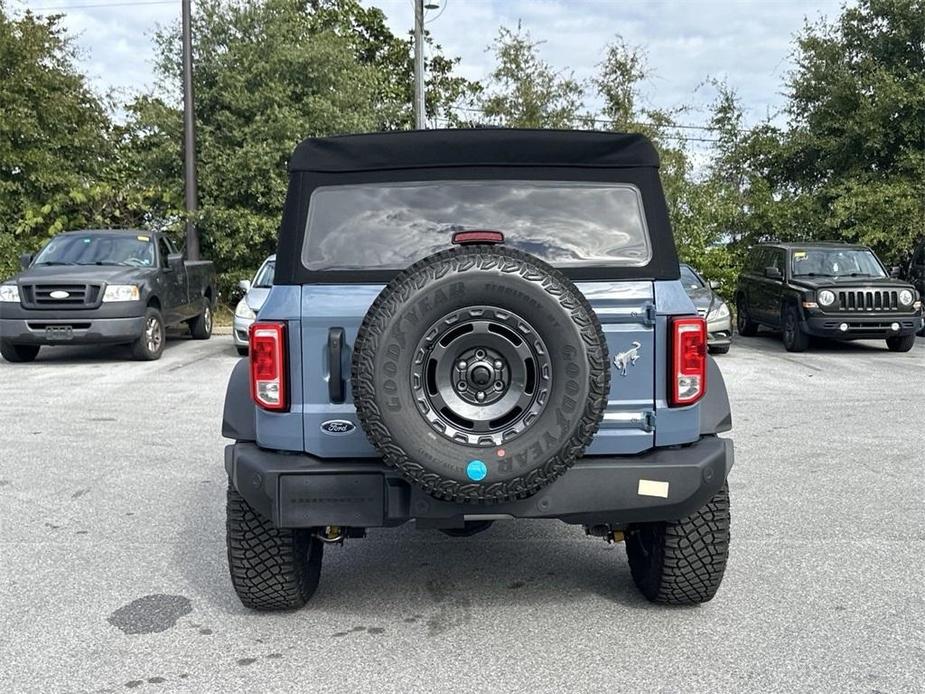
[{"x": 468, "y": 326}]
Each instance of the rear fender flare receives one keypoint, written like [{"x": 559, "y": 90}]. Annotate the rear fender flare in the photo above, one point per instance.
[
  {"x": 239, "y": 420},
  {"x": 715, "y": 413}
]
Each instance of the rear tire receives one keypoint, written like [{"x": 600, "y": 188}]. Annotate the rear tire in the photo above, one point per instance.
[
  {"x": 201, "y": 326},
  {"x": 682, "y": 562},
  {"x": 719, "y": 349},
  {"x": 469, "y": 529},
  {"x": 795, "y": 338},
  {"x": 18, "y": 353},
  {"x": 744, "y": 323},
  {"x": 150, "y": 345},
  {"x": 900, "y": 343},
  {"x": 271, "y": 568}
]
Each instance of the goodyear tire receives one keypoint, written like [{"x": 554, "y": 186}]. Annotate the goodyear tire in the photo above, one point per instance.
[
  {"x": 481, "y": 374},
  {"x": 271, "y": 568},
  {"x": 682, "y": 562}
]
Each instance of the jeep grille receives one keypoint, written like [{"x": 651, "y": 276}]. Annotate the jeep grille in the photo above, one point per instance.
[{"x": 868, "y": 300}]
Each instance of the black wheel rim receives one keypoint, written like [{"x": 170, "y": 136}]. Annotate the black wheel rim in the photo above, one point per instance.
[{"x": 481, "y": 376}]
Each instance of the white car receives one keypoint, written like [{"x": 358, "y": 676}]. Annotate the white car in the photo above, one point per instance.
[{"x": 255, "y": 294}]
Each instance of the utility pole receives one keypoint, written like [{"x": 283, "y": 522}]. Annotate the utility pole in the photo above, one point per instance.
[
  {"x": 189, "y": 137},
  {"x": 419, "y": 64}
]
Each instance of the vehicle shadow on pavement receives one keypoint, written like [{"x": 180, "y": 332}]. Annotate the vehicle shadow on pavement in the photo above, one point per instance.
[
  {"x": 767, "y": 341},
  {"x": 400, "y": 571},
  {"x": 86, "y": 354}
]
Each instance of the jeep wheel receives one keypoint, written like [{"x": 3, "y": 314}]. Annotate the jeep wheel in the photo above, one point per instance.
[
  {"x": 18, "y": 353},
  {"x": 900, "y": 343},
  {"x": 271, "y": 568},
  {"x": 200, "y": 327},
  {"x": 481, "y": 373},
  {"x": 744, "y": 323},
  {"x": 150, "y": 345},
  {"x": 795, "y": 338},
  {"x": 682, "y": 562}
]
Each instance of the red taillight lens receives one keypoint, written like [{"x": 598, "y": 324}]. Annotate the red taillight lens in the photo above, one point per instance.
[
  {"x": 688, "y": 361},
  {"x": 268, "y": 365}
]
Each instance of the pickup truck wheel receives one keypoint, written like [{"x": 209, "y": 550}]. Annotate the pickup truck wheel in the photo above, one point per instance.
[
  {"x": 18, "y": 353},
  {"x": 795, "y": 338},
  {"x": 480, "y": 373},
  {"x": 271, "y": 568},
  {"x": 150, "y": 345},
  {"x": 900, "y": 343},
  {"x": 682, "y": 562},
  {"x": 201, "y": 326},
  {"x": 744, "y": 323}
]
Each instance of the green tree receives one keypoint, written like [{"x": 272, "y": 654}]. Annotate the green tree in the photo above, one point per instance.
[
  {"x": 523, "y": 91},
  {"x": 54, "y": 136},
  {"x": 852, "y": 163}
]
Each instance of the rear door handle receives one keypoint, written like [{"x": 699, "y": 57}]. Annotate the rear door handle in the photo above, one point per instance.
[{"x": 335, "y": 375}]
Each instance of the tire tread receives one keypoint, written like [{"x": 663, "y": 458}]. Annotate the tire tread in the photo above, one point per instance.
[{"x": 684, "y": 561}]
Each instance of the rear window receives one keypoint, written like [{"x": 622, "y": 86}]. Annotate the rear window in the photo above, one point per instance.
[{"x": 389, "y": 226}]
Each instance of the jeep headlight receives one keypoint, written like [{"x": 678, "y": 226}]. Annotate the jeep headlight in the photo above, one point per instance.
[
  {"x": 825, "y": 297},
  {"x": 244, "y": 311},
  {"x": 722, "y": 311},
  {"x": 906, "y": 297},
  {"x": 9, "y": 293},
  {"x": 121, "y": 292}
]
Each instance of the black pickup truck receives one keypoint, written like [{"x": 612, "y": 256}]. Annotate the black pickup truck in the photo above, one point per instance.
[
  {"x": 834, "y": 290},
  {"x": 104, "y": 286}
]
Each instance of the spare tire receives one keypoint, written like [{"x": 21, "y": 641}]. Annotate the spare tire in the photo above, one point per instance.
[{"x": 481, "y": 373}]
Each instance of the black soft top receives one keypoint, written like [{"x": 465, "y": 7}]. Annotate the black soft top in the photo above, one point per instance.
[
  {"x": 417, "y": 149},
  {"x": 495, "y": 154}
]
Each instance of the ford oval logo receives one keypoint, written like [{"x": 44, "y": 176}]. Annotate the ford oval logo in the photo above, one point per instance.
[
  {"x": 59, "y": 294},
  {"x": 337, "y": 427}
]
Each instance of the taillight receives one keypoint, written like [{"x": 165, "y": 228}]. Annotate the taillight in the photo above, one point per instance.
[
  {"x": 688, "y": 361},
  {"x": 268, "y": 365}
]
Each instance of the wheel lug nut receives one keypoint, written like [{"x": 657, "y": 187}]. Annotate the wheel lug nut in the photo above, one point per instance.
[
  {"x": 499, "y": 365},
  {"x": 498, "y": 385},
  {"x": 461, "y": 386},
  {"x": 480, "y": 396},
  {"x": 462, "y": 365},
  {"x": 480, "y": 354}
]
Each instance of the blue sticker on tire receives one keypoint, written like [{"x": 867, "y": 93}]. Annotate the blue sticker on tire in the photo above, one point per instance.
[{"x": 477, "y": 470}]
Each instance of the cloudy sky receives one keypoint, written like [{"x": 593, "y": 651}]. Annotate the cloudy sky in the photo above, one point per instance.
[{"x": 746, "y": 43}]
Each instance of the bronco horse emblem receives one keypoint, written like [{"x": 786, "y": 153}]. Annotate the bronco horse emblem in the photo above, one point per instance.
[{"x": 623, "y": 360}]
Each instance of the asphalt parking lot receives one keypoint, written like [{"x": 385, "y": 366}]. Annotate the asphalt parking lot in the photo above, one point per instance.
[{"x": 113, "y": 576}]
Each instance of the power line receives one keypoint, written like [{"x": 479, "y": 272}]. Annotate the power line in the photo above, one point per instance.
[{"x": 607, "y": 121}]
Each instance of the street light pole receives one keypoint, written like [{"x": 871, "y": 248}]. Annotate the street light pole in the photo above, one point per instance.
[
  {"x": 419, "y": 64},
  {"x": 189, "y": 137}
]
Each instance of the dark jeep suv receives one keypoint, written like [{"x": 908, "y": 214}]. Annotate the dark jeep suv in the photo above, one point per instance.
[
  {"x": 829, "y": 290},
  {"x": 470, "y": 326}
]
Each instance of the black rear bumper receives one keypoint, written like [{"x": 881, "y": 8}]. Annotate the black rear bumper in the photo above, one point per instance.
[
  {"x": 861, "y": 327},
  {"x": 299, "y": 490}
]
